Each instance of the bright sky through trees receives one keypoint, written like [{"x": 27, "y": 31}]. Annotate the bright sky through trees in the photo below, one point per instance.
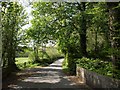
[{"x": 28, "y": 9}]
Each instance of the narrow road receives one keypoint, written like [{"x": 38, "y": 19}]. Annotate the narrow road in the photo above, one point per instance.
[{"x": 50, "y": 77}]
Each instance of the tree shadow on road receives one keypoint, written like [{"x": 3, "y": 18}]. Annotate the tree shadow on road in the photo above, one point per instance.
[{"x": 47, "y": 78}]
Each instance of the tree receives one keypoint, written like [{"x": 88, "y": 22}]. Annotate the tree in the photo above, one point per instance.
[
  {"x": 72, "y": 25},
  {"x": 114, "y": 31},
  {"x": 97, "y": 33},
  {"x": 38, "y": 32},
  {"x": 82, "y": 8},
  {"x": 13, "y": 18},
  {"x": 61, "y": 26}
]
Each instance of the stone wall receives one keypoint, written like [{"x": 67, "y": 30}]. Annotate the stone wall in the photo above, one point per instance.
[{"x": 95, "y": 80}]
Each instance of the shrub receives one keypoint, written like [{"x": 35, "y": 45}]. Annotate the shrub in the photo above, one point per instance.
[
  {"x": 65, "y": 67},
  {"x": 69, "y": 65},
  {"x": 97, "y": 65}
]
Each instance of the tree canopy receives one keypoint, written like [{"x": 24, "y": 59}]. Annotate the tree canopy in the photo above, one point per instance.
[{"x": 83, "y": 29}]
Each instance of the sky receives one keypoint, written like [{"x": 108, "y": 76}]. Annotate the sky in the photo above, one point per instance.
[{"x": 28, "y": 9}]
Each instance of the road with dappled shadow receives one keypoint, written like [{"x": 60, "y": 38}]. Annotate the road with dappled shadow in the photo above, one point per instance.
[{"x": 50, "y": 77}]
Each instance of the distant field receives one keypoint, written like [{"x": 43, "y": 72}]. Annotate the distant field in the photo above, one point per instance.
[{"x": 22, "y": 60}]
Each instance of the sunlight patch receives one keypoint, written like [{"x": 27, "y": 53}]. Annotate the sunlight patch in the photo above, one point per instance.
[
  {"x": 14, "y": 86},
  {"x": 42, "y": 80}
]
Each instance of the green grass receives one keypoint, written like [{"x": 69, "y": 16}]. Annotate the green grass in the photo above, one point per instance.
[
  {"x": 25, "y": 62},
  {"x": 22, "y": 60}
]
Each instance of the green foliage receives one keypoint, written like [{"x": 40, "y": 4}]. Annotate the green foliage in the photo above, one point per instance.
[
  {"x": 23, "y": 52},
  {"x": 53, "y": 52},
  {"x": 56, "y": 21},
  {"x": 98, "y": 42},
  {"x": 27, "y": 65},
  {"x": 69, "y": 65},
  {"x": 0, "y": 47},
  {"x": 71, "y": 26},
  {"x": 22, "y": 60},
  {"x": 101, "y": 67},
  {"x": 114, "y": 31},
  {"x": 65, "y": 67},
  {"x": 13, "y": 18},
  {"x": 50, "y": 56}
]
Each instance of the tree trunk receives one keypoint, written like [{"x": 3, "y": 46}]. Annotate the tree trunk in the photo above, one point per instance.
[
  {"x": 83, "y": 30},
  {"x": 114, "y": 29},
  {"x": 71, "y": 64},
  {"x": 11, "y": 53}
]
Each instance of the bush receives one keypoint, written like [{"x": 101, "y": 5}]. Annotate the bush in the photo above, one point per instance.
[
  {"x": 97, "y": 65},
  {"x": 69, "y": 65},
  {"x": 65, "y": 67},
  {"x": 46, "y": 57},
  {"x": 53, "y": 53}
]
